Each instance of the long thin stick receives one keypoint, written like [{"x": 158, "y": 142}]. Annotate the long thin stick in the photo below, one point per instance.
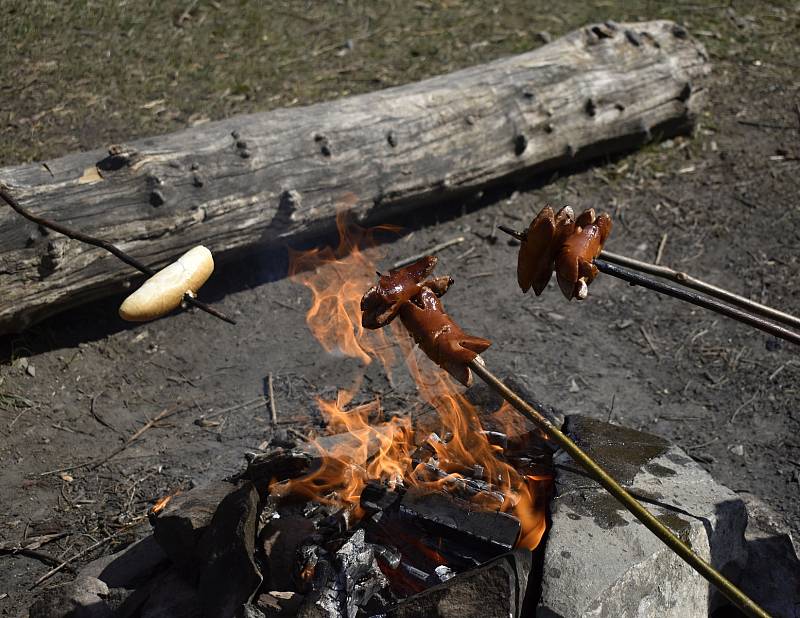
[
  {"x": 748, "y": 312},
  {"x": 688, "y": 281},
  {"x": 99, "y": 242},
  {"x": 273, "y": 409},
  {"x": 736, "y": 596},
  {"x": 429, "y": 251},
  {"x": 83, "y": 552},
  {"x": 741, "y": 315}
]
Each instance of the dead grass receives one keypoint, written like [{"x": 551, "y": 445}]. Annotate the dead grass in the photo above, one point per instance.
[{"x": 83, "y": 74}]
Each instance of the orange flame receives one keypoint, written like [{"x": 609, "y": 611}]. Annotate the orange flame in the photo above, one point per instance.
[
  {"x": 383, "y": 451},
  {"x": 162, "y": 503}
]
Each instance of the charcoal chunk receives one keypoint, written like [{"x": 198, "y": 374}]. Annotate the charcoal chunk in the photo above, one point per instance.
[
  {"x": 349, "y": 581},
  {"x": 358, "y": 568},
  {"x": 278, "y": 464},
  {"x": 495, "y": 590},
  {"x": 377, "y": 497},
  {"x": 459, "y": 519},
  {"x": 281, "y": 539},
  {"x": 230, "y": 577}
]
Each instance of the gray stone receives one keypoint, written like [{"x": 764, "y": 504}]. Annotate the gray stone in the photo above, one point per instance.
[
  {"x": 229, "y": 576},
  {"x": 772, "y": 575},
  {"x": 600, "y": 561},
  {"x": 179, "y": 527},
  {"x": 130, "y": 567},
  {"x": 81, "y": 598},
  {"x": 172, "y": 597}
]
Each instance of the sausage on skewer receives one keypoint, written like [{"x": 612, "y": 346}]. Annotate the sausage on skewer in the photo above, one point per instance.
[
  {"x": 537, "y": 254},
  {"x": 575, "y": 268},
  {"x": 410, "y": 293},
  {"x": 381, "y": 303},
  {"x": 440, "y": 337},
  {"x": 561, "y": 243}
]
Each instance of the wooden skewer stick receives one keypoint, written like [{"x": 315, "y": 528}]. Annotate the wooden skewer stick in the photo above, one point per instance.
[
  {"x": 748, "y": 312},
  {"x": 99, "y": 242},
  {"x": 686, "y": 280},
  {"x": 734, "y": 594}
]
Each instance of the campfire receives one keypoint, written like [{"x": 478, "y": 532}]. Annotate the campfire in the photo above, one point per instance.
[
  {"x": 453, "y": 503},
  {"x": 389, "y": 513},
  {"x": 420, "y": 499}
]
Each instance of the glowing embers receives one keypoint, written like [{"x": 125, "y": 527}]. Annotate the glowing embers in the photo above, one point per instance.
[
  {"x": 561, "y": 243},
  {"x": 440, "y": 518}
]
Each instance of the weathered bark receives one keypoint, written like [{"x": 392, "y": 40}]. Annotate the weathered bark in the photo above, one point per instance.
[{"x": 267, "y": 177}]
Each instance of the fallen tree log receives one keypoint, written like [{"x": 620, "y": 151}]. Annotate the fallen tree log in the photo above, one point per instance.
[{"x": 268, "y": 177}]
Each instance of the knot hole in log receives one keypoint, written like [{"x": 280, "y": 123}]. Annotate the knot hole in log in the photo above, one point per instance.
[
  {"x": 241, "y": 145},
  {"x": 324, "y": 144},
  {"x": 520, "y": 144}
]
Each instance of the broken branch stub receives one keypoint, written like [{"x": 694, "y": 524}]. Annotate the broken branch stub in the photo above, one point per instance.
[{"x": 263, "y": 178}]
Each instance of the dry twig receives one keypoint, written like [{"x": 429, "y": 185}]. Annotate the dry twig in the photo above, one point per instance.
[
  {"x": 428, "y": 251},
  {"x": 273, "y": 411}
]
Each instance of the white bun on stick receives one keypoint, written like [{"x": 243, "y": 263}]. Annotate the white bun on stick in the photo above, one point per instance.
[{"x": 164, "y": 291}]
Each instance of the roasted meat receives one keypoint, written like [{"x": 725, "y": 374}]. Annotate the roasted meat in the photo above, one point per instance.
[
  {"x": 440, "y": 337},
  {"x": 575, "y": 268},
  {"x": 546, "y": 234},
  {"x": 561, "y": 243},
  {"x": 381, "y": 303}
]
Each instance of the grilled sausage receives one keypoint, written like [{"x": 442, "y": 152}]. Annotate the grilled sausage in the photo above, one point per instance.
[
  {"x": 440, "y": 337},
  {"x": 575, "y": 268},
  {"x": 535, "y": 262},
  {"x": 380, "y": 304}
]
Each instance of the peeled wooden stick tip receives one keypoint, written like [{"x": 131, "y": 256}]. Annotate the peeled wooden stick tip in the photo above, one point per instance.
[{"x": 164, "y": 291}]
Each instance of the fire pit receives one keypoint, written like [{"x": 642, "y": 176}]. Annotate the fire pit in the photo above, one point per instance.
[{"x": 263, "y": 544}]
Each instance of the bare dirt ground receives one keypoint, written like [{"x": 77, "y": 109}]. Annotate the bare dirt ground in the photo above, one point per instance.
[{"x": 723, "y": 203}]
